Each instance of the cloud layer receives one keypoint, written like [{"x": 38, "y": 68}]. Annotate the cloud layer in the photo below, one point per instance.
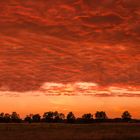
[
  {"x": 61, "y": 41},
  {"x": 76, "y": 89}
]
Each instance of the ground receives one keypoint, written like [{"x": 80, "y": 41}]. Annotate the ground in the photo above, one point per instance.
[{"x": 98, "y": 131}]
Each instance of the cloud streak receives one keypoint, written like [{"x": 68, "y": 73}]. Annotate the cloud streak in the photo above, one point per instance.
[
  {"x": 69, "y": 42},
  {"x": 76, "y": 89}
]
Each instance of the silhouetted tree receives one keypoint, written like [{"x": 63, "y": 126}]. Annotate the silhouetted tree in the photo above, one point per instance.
[
  {"x": 48, "y": 116},
  {"x": 70, "y": 117},
  {"x": 87, "y": 118},
  {"x": 28, "y": 118},
  {"x": 53, "y": 116},
  {"x": 57, "y": 117},
  {"x": 126, "y": 116},
  {"x": 1, "y": 117},
  {"x": 36, "y": 118},
  {"x": 61, "y": 116},
  {"x": 15, "y": 117},
  {"x": 100, "y": 116},
  {"x": 7, "y": 118}
]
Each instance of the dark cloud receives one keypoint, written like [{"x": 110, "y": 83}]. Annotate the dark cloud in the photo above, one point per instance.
[
  {"x": 131, "y": 3},
  {"x": 69, "y": 41},
  {"x": 103, "y": 19}
]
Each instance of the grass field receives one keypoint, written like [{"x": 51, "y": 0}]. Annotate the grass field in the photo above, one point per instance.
[{"x": 104, "y": 131}]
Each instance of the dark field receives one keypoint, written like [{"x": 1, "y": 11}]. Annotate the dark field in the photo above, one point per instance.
[{"x": 104, "y": 131}]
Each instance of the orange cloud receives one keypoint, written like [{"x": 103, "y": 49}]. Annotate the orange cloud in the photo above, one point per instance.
[{"x": 69, "y": 41}]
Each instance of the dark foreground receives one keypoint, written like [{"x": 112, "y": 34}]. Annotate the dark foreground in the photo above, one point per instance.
[{"x": 44, "y": 131}]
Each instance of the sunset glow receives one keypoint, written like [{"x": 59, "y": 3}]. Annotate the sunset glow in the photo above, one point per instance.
[{"x": 70, "y": 55}]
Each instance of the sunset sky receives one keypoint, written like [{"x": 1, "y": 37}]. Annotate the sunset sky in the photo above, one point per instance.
[{"x": 70, "y": 55}]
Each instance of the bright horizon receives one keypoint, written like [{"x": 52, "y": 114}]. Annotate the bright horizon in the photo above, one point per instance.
[
  {"x": 80, "y": 98},
  {"x": 70, "y": 55}
]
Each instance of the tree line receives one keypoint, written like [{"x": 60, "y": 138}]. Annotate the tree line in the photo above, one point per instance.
[{"x": 56, "y": 117}]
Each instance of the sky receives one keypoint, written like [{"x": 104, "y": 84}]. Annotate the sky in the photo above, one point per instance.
[{"x": 70, "y": 55}]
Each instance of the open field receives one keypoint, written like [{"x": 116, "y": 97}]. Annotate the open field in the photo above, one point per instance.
[{"x": 103, "y": 131}]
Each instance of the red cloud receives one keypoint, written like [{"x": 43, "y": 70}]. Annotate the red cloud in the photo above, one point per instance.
[{"x": 69, "y": 41}]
